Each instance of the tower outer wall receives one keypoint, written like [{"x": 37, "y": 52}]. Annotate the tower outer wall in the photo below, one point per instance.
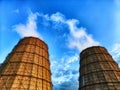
[
  {"x": 98, "y": 70},
  {"x": 27, "y": 67}
]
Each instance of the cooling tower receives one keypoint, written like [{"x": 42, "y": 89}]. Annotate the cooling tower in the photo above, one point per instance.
[
  {"x": 98, "y": 70},
  {"x": 27, "y": 67}
]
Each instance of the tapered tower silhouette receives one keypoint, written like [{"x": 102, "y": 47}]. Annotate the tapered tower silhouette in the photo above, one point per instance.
[
  {"x": 98, "y": 70},
  {"x": 27, "y": 67}
]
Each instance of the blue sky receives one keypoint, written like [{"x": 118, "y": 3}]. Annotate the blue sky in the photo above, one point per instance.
[{"x": 67, "y": 26}]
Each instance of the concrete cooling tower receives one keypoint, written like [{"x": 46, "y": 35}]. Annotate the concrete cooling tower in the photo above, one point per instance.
[
  {"x": 27, "y": 67},
  {"x": 98, "y": 70}
]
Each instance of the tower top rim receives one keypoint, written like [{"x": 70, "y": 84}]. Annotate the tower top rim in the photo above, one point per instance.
[
  {"x": 34, "y": 38},
  {"x": 92, "y": 47}
]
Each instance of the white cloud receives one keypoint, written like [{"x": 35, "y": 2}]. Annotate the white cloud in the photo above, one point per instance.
[
  {"x": 28, "y": 29},
  {"x": 116, "y": 52},
  {"x": 63, "y": 72},
  {"x": 73, "y": 59},
  {"x": 57, "y": 17},
  {"x": 75, "y": 31},
  {"x": 79, "y": 38}
]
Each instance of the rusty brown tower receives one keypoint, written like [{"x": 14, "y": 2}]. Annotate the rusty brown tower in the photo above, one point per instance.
[
  {"x": 98, "y": 70},
  {"x": 27, "y": 67}
]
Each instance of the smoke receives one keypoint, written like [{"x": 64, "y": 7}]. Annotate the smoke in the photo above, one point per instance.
[
  {"x": 29, "y": 28},
  {"x": 78, "y": 38}
]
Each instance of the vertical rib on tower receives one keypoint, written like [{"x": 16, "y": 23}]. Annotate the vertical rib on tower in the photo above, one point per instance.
[
  {"x": 27, "y": 67},
  {"x": 98, "y": 70}
]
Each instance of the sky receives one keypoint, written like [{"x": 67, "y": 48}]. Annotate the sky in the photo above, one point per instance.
[{"x": 67, "y": 27}]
